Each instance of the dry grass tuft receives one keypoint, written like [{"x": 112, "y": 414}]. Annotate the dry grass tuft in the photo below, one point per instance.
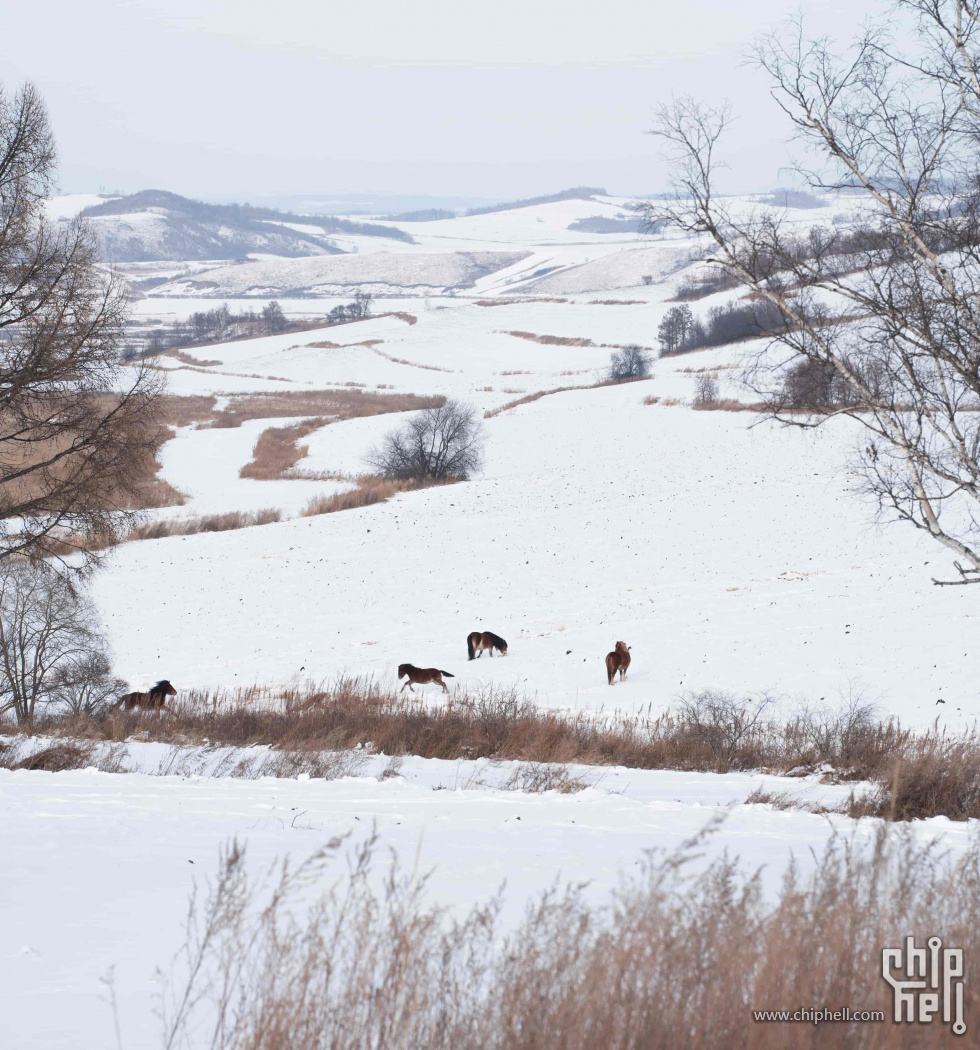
[
  {"x": 370, "y": 489},
  {"x": 233, "y": 519}
]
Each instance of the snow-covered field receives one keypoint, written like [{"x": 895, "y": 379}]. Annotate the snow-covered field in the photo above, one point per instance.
[{"x": 729, "y": 554}]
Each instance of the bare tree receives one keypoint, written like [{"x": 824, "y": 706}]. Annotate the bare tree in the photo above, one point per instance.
[
  {"x": 631, "y": 362},
  {"x": 891, "y": 307},
  {"x": 85, "y": 684},
  {"x": 274, "y": 317},
  {"x": 705, "y": 390},
  {"x": 73, "y": 423},
  {"x": 46, "y": 628},
  {"x": 435, "y": 443}
]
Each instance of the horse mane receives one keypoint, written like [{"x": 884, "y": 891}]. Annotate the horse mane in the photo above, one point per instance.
[
  {"x": 161, "y": 686},
  {"x": 497, "y": 640}
]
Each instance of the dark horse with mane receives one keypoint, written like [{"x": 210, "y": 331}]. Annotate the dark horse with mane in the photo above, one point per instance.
[
  {"x": 155, "y": 699},
  {"x": 422, "y": 676},
  {"x": 480, "y": 640}
]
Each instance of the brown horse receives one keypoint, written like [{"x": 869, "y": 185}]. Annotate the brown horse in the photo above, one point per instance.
[
  {"x": 155, "y": 699},
  {"x": 618, "y": 660},
  {"x": 422, "y": 676},
  {"x": 480, "y": 640}
]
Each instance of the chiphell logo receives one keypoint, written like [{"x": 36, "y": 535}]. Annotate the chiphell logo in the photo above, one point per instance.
[{"x": 926, "y": 981}]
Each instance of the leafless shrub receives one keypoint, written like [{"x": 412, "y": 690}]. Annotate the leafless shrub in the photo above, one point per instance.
[
  {"x": 726, "y": 723},
  {"x": 678, "y": 957},
  {"x": 705, "y": 390},
  {"x": 537, "y": 777},
  {"x": 85, "y": 684},
  {"x": 632, "y": 362},
  {"x": 441, "y": 443}
]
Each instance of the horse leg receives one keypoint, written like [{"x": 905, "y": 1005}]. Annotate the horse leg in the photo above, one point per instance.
[
  {"x": 443, "y": 684},
  {"x": 407, "y": 685}
]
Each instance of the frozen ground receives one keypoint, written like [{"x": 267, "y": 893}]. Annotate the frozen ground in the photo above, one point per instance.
[{"x": 728, "y": 554}]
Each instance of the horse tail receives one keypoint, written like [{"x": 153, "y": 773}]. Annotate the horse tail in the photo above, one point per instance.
[
  {"x": 447, "y": 674},
  {"x": 469, "y": 645}
]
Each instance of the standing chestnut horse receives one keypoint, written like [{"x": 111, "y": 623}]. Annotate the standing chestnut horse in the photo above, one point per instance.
[
  {"x": 155, "y": 699},
  {"x": 618, "y": 660},
  {"x": 480, "y": 640}
]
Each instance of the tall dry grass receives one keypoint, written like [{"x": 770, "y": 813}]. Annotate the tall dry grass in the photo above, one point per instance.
[
  {"x": 915, "y": 774},
  {"x": 679, "y": 957},
  {"x": 371, "y": 488},
  {"x": 278, "y": 450}
]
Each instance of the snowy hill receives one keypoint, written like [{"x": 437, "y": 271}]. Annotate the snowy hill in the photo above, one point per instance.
[{"x": 156, "y": 225}]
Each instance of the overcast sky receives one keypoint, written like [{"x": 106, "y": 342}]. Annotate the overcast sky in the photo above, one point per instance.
[{"x": 244, "y": 98}]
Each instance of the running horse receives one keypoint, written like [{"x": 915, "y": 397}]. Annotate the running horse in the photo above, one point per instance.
[
  {"x": 155, "y": 699},
  {"x": 422, "y": 676}
]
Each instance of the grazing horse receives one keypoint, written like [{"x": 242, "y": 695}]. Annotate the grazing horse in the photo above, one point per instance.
[
  {"x": 422, "y": 676},
  {"x": 155, "y": 699},
  {"x": 618, "y": 660},
  {"x": 480, "y": 640}
]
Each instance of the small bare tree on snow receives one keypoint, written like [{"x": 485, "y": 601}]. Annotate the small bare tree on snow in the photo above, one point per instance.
[
  {"x": 48, "y": 638},
  {"x": 705, "y": 390},
  {"x": 436, "y": 443},
  {"x": 632, "y": 362}
]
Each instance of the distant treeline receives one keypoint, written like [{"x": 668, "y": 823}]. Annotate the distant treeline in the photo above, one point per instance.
[
  {"x": 680, "y": 331},
  {"x": 423, "y": 215},
  {"x": 220, "y": 325}
]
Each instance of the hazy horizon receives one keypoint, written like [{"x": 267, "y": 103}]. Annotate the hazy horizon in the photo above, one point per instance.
[{"x": 404, "y": 99}]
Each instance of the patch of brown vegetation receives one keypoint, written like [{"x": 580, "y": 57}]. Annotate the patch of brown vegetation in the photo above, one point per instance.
[
  {"x": 187, "y": 359},
  {"x": 617, "y": 302},
  {"x": 917, "y": 774},
  {"x": 407, "y": 318},
  {"x": 512, "y": 302},
  {"x": 226, "y": 522},
  {"x": 551, "y": 340},
  {"x": 277, "y": 450},
  {"x": 491, "y": 412},
  {"x": 337, "y": 404},
  {"x": 370, "y": 489},
  {"x": 411, "y": 364}
]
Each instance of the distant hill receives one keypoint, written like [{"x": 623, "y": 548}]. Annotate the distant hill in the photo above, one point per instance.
[
  {"x": 576, "y": 193},
  {"x": 155, "y": 225}
]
